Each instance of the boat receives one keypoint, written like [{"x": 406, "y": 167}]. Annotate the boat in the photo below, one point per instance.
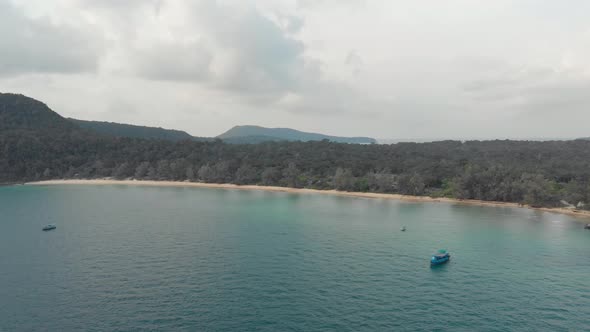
[
  {"x": 441, "y": 257},
  {"x": 403, "y": 229},
  {"x": 587, "y": 226},
  {"x": 49, "y": 227}
]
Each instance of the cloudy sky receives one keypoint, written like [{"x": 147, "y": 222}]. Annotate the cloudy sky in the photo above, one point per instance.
[{"x": 386, "y": 69}]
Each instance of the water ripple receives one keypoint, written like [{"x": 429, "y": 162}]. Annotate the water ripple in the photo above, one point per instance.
[{"x": 212, "y": 260}]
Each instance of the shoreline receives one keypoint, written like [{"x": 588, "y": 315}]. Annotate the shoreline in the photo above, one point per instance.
[{"x": 398, "y": 197}]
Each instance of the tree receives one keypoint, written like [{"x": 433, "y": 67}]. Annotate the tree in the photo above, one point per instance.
[
  {"x": 190, "y": 173},
  {"x": 291, "y": 176},
  {"x": 122, "y": 171},
  {"x": 246, "y": 175},
  {"x": 411, "y": 184},
  {"x": 178, "y": 169},
  {"x": 152, "y": 173},
  {"x": 222, "y": 173},
  {"x": 343, "y": 179},
  {"x": 537, "y": 190},
  {"x": 141, "y": 170},
  {"x": 271, "y": 176},
  {"x": 381, "y": 182},
  {"x": 163, "y": 170},
  {"x": 206, "y": 173}
]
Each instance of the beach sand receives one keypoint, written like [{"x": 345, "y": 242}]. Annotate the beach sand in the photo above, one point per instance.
[{"x": 570, "y": 212}]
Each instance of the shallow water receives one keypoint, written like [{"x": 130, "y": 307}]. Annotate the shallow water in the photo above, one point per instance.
[{"x": 156, "y": 258}]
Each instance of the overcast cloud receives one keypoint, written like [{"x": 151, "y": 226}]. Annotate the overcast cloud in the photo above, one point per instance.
[{"x": 386, "y": 69}]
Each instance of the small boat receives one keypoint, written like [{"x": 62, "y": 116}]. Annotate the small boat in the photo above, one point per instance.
[
  {"x": 49, "y": 227},
  {"x": 587, "y": 226},
  {"x": 403, "y": 229},
  {"x": 441, "y": 257}
]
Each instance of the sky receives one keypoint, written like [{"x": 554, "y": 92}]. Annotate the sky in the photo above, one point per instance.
[{"x": 452, "y": 69}]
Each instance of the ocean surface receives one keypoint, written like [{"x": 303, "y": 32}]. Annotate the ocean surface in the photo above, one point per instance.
[{"x": 127, "y": 258}]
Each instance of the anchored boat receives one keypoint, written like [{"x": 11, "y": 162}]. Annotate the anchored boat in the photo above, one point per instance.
[
  {"x": 49, "y": 227},
  {"x": 441, "y": 257}
]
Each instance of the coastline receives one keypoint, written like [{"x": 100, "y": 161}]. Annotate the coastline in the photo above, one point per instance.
[{"x": 399, "y": 197}]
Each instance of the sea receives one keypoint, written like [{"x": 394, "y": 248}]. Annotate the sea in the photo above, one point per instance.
[{"x": 130, "y": 258}]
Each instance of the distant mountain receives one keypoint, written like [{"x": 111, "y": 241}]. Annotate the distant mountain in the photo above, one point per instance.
[
  {"x": 127, "y": 130},
  {"x": 259, "y": 134}
]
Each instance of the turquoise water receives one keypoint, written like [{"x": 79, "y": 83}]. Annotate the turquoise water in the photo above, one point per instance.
[{"x": 153, "y": 258}]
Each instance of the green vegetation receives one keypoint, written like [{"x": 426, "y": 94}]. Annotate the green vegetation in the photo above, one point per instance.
[
  {"x": 251, "y": 139},
  {"x": 237, "y": 135},
  {"x": 38, "y": 144},
  {"x": 256, "y": 134},
  {"x": 126, "y": 130}
]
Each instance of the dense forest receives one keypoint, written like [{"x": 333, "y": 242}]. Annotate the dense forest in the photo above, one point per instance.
[
  {"x": 38, "y": 144},
  {"x": 126, "y": 130}
]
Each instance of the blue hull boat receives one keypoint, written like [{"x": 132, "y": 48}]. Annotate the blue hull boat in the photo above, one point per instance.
[{"x": 440, "y": 258}]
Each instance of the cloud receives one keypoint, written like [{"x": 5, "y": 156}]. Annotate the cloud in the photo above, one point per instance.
[
  {"x": 235, "y": 48},
  {"x": 563, "y": 95},
  {"x": 310, "y": 4},
  {"x": 254, "y": 54},
  {"x": 293, "y": 24},
  {"x": 355, "y": 62},
  {"x": 248, "y": 53},
  {"x": 535, "y": 89},
  {"x": 170, "y": 61},
  {"x": 117, "y": 4},
  {"x": 37, "y": 45}
]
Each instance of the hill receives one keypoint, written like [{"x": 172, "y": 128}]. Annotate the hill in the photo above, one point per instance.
[
  {"x": 258, "y": 134},
  {"x": 21, "y": 113},
  {"x": 133, "y": 131}
]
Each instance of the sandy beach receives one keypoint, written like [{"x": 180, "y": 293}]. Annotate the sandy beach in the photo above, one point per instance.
[{"x": 570, "y": 212}]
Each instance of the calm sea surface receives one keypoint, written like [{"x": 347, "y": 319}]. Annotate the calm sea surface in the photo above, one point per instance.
[{"x": 129, "y": 258}]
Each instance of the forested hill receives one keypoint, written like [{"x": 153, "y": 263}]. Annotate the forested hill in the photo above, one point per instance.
[
  {"x": 38, "y": 144},
  {"x": 18, "y": 112},
  {"x": 259, "y": 134},
  {"x": 126, "y": 130}
]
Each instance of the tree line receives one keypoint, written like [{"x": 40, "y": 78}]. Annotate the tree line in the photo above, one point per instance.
[{"x": 535, "y": 173}]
